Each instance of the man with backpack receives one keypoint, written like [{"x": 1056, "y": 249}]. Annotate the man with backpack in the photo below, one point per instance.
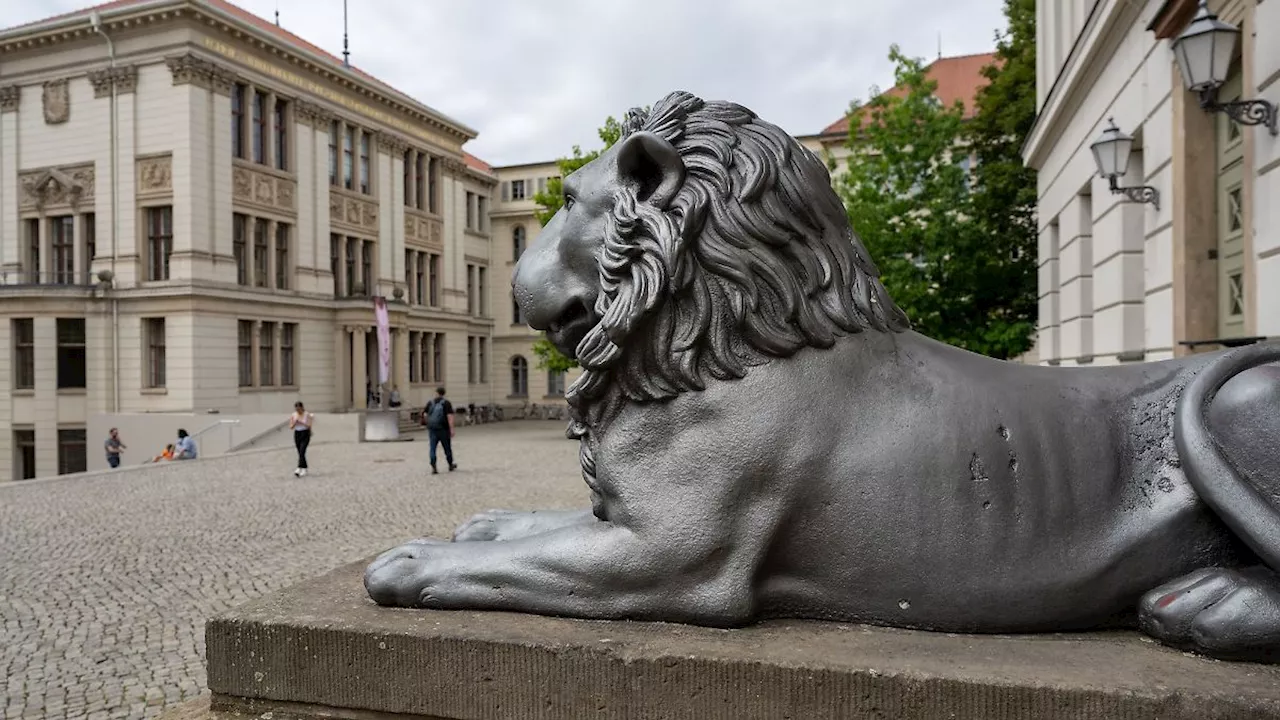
[{"x": 438, "y": 417}]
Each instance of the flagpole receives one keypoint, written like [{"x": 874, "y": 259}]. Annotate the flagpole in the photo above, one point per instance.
[{"x": 346, "y": 56}]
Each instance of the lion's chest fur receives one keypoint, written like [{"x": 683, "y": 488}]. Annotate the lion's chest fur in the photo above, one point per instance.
[{"x": 891, "y": 466}]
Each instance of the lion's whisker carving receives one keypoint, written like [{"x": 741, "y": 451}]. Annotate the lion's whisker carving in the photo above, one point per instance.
[{"x": 762, "y": 434}]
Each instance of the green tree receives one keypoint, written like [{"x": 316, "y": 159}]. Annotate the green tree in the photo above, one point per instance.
[
  {"x": 907, "y": 190},
  {"x": 1004, "y": 196},
  {"x": 551, "y": 200}
]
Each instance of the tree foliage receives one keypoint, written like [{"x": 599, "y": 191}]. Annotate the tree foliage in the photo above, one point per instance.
[
  {"x": 551, "y": 200},
  {"x": 1005, "y": 191},
  {"x": 943, "y": 256}
]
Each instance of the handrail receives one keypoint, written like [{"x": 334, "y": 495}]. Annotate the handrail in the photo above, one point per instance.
[
  {"x": 229, "y": 423},
  {"x": 242, "y": 445}
]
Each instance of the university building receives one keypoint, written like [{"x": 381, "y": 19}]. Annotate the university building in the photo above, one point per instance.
[
  {"x": 1159, "y": 177},
  {"x": 196, "y": 210},
  {"x": 515, "y": 228}
]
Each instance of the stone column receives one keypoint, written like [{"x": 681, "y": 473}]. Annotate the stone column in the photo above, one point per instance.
[
  {"x": 359, "y": 367},
  {"x": 1192, "y": 200},
  {"x": 359, "y": 265},
  {"x": 1075, "y": 268},
  {"x": 81, "y": 249},
  {"x": 269, "y": 130},
  {"x": 400, "y": 361},
  {"x": 256, "y": 344},
  {"x": 341, "y": 373}
]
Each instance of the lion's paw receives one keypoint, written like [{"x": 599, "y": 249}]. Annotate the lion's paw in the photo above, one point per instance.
[
  {"x": 1222, "y": 613},
  {"x": 513, "y": 524}
]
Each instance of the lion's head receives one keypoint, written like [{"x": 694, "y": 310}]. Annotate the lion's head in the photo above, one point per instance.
[{"x": 704, "y": 242}]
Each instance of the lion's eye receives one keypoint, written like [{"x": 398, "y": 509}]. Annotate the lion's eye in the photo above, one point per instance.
[{"x": 569, "y": 200}]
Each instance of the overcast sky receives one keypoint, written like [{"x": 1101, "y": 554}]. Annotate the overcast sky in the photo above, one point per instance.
[{"x": 534, "y": 77}]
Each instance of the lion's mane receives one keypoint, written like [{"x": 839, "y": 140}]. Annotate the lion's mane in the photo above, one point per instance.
[{"x": 754, "y": 259}]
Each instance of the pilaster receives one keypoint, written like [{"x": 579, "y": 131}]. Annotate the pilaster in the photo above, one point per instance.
[{"x": 359, "y": 366}]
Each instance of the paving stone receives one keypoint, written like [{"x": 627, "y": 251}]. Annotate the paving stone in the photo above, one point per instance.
[{"x": 108, "y": 578}]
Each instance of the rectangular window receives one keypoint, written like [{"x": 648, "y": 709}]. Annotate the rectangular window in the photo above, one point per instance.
[
  {"x": 433, "y": 279},
  {"x": 555, "y": 383},
  {"x": 282, "y": 135},
  {"x": 62, "y": 236},
  {"x": 437, "y": 358},
  {"x": 282, "y": 256},
  {"x": 153, "y": 334},
  {"x": 366, "y": 266},
  {"x": 239, "y": 246},
  {"x": 351, "y": 266},
  {"x": 471, "y": 289},
  {"x": 348, "y": 158},
  {"x": 517, "y": 190},
  {"x": 259, "y": 126},
  {"x": 24, "y": 454},
  {"x": 245, "y": 352},
  {"x": 365, "y": 181},
  {"x": 482, "y": 293},
  {"x": 237, "y": 119},
  {"x": 413, "y": 356},
  {"x": 482, "y": 213},
  {"x": 471, "y": 211},
  {"x": 433, "y": 185},
  {"x": 482, "y": 363},
  {"x": 408, "y": 273},
  {"x": 334, "y": 132},
  {"x": 72, "y": 451},
  {"x": 542, "y": 184},
  {"x": 407, "y": 167},
  {"x": 90, "y": 245},
  {"x": 335, "y": 262},
  {"x": 159, "y": 241},
  {"x": 517, "y": 315},
  {"x": 267, "y": 354},
  {"x": 471, "y": 359},
  {"x": 288, "y": 333},
  {"x": 24, "y": 354},
  {"x": 424, "y": 358},
  {"x": 420, "y": 190},
  {"x": 420, "y": 277},
  {"x": 33, "y": 251},
  {"x": 261, "y": 231},
  {"x": 71, "y": 353}
]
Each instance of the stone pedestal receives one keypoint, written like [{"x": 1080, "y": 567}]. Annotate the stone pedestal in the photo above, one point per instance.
[
  {"x": 323, "y": 649},
  {"x": 382, "y": 426}
]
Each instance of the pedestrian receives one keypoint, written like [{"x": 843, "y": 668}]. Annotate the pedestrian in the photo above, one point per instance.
[
  {"x": 301, "y": 422},
  {"x": 113, "y": 446},
  {"x": 438, "y": 417},
  {"x": 395, "y": 396},
  {"x": 186, "y": 446}
]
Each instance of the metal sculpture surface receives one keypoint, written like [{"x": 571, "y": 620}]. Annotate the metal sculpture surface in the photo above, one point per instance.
[{"x": 764, "y": 436}]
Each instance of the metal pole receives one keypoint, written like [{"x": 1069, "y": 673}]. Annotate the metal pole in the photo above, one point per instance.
[
  {"x": 346, "y": 56},
  {"x": 95, "y": 21}
]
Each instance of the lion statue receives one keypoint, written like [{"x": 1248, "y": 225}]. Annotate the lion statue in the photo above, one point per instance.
[{"x": 764, "y": 436}]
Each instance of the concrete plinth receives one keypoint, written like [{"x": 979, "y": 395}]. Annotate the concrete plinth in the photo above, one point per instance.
[
  {"x": 322, "y": 649},
  {"x": 382, "y": 426}
]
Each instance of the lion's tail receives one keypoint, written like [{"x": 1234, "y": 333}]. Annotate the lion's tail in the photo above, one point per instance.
[{"x": 1252, "y": 516}]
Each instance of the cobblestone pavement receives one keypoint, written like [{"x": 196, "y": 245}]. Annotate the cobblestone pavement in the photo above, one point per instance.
[{"x": 106, "y": 580}]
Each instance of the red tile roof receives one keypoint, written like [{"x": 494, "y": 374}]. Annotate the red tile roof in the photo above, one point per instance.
[
  {"x": 958, "y": 78},
  {"x": 476, "y": 163}
]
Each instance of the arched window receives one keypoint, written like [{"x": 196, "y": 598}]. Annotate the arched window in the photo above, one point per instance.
[
  {"x": 555, "y": 383},
  {"x": 519, "y": 376},
  {"x": 517, "y": 242}
]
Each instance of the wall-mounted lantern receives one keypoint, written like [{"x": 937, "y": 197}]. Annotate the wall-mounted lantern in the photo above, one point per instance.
[
  {"x": 1111, "y": 153},
  {"x": 1204, "y": 52}
]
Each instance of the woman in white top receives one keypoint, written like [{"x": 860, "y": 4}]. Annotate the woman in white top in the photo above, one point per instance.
[{"x": 300, "y": 422}]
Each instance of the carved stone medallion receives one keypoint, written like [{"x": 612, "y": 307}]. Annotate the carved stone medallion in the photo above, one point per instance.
[{"x": 57, "y": 101}]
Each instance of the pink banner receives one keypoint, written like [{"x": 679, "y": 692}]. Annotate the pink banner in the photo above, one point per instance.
[{"x": 384, "y": 339}]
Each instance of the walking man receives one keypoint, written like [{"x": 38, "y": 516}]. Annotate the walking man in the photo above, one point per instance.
[
  {"x": 438, "y": 417},
  {"x": 113, "y": 447}
]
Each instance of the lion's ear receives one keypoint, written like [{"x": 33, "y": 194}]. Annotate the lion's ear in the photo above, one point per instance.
[{"x": 654, "y": 165}]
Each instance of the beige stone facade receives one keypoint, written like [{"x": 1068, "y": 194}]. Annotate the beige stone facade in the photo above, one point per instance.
[
  {"x": 1122, "y": 281},
  {"x": 515, "y": 228},
  {"x": 200, "y": 223}
]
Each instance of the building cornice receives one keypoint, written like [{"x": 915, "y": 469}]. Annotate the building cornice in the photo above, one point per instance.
[
  {"x": 1085, "y": 62},
  {"x": 75, "y": 28}
]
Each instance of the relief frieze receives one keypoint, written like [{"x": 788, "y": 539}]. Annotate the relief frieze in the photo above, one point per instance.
[
  {"x": 69, "y": 186},
  {"x": 262, "y": 189},
  {"x": 353, "y": 213},
  {"x": 155, "y": 175}
]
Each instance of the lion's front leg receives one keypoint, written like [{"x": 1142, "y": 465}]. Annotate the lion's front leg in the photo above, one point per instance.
[
  {"x": 597, "y": 570},
  {"x": 507, "y": 525}
]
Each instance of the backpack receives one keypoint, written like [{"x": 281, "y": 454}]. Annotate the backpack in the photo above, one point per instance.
[{"x": 435, "y": 414}]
